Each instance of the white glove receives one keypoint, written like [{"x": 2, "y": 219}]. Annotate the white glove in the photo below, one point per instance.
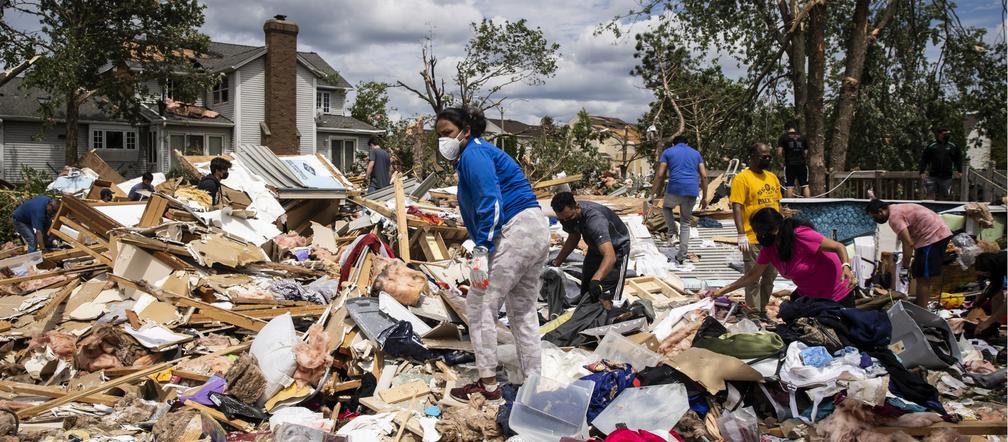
[
  {"x": 743, "y": 243},
  {"x": 479, "y": 268}
]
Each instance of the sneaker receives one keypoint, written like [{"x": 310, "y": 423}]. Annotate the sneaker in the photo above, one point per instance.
[{"x": 462, "y": 393}]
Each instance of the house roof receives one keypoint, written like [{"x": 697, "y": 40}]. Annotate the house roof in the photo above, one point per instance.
[
  {"x": 18, "y": 102},
  {"x": 617, "y": 128},
  {"x": 340, "y": 123},
  {"x": 515, "y": 127},
  {"x": 227, "y": 56}
]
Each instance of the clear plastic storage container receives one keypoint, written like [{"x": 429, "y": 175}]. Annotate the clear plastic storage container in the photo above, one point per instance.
[{"x": 546, "y": 409}]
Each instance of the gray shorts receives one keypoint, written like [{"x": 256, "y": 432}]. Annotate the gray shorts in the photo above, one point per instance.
[{"x": 938, "y": 186}]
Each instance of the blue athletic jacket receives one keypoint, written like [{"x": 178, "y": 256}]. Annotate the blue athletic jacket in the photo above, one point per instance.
[{"x": 492, "y": 189}]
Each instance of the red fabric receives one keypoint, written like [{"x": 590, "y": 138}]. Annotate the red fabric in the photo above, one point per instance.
[
  {"x": 626, "y": 435},
  {"x": 370, "y": 241},
  {"x": 430, "y": 218}
]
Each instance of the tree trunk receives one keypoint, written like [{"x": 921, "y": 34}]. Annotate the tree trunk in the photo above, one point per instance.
[
  {"x": 814, "y": 116},
  {"x": 849, "y": 85},
  {"x": 72, "y": 117},
  {"x": 796, "y": 59}
]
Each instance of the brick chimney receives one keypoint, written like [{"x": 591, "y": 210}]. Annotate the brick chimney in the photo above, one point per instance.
[{"x": 279, "y": 131}]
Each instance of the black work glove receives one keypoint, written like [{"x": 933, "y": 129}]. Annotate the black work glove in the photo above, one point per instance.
[{"x": 595, "y": 290}]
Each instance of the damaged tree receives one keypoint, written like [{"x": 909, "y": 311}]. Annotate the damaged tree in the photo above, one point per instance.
[
  {"x": 114, "y": 52},
  {"x": 497, "y": 56}
]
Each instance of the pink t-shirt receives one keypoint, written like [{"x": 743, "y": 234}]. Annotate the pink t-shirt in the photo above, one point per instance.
[
  {"x": 817, "y": 274},
  {"x": 926, "y": 227}
]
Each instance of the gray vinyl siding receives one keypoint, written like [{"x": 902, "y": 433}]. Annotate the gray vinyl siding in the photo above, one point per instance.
[
  {"x": 324, "y": 145},
  {"x": 165, "y": 137},
  {"x": 25, "y": 143},
  {"x": 306, "y": 109},
  {"x": 227, "y": 108},
  {"x": 253, "y": 100}
]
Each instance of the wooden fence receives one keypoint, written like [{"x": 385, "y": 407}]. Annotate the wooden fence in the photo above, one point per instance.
[{"x": 976, "y": 185}]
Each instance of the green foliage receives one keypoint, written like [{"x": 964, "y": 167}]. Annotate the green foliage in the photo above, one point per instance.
[
  {"x": 570, "y": 149},
  {"x": 33, "y": 183},
  {"x": 372, "y": 104},
  {"x": 110, "y": 50},
  {"x": 184, "y": 173}
]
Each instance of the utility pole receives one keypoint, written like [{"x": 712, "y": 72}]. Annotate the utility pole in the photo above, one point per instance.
[{"x": 623, "y": 164}]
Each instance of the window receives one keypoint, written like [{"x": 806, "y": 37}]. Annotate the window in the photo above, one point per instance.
[
  {"x": 152, "y": 147},
  {"x": 194, "y": 145},
  {"x": 215, "y": 144},
  {"x": 108, "y": 138},
  {"x": 169, "y": 88},
  {"x": 220, "y": 92},
  {"x": 323, "y": 102},
  {"x": 342, "y": 152}
]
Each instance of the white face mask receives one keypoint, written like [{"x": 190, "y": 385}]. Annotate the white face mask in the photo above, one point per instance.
[{"x": 449, "y": 148}]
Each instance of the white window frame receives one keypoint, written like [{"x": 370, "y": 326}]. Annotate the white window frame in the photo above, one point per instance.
[
  {"x": 221, "y": 92},
  {"x": 206, "y": 141},
  {"x": 323, "y": 101},
  {"x": 129, "y": 132}
]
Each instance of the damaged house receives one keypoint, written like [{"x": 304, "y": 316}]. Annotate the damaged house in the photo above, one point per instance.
[{"x": 270, "y": 95}]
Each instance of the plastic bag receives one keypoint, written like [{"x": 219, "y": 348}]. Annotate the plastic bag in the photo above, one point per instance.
[
  {"x": 399, "y": 341},
  {"x": 968, "y": 249},
  {"x": 232, "y": 407},
  {"x": 289, "y": 432},
  {"x": 273, "y": 348},
  {"x": 739, "y": 425}
]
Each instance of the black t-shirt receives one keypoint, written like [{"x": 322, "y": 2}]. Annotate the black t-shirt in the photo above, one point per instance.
[
  {"x": 598, "y": 225},
  {"x": 794, "y": 149},
  {"x": 210, "y": 184},
  {"x": 941, "y": 159}
]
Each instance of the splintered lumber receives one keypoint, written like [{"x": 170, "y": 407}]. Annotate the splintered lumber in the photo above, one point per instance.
[
  {"x": 219, "y": 314},
  {"x": 269, "y": 313},
  {"x": 402, "y": 392},
  {"x": 72, "y": 397},
  {"x": 556, "y": 182},
  {"x": 20, "y": 279},
  {"x": 55, "y": 392},
  {"x": 59, "y": 298},
  {"x": 402, "y": 230}
]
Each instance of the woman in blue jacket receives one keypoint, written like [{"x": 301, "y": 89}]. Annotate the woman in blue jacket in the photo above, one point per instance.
[{"x": 512, "y": 244}]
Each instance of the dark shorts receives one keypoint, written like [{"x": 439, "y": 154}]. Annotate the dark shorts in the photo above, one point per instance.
[
  {"x": 847, "y": 301},
  {"x": 795, "y": 174},
  {"x": 929, "y": 260},
  {"x": 939, "y": 186},
  {"x": 612, "y": 284}
]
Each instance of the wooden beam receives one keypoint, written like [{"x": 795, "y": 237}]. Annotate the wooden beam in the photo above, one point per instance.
[
  {"x": 81, "y": 269},
  {"x": 219, "y": 314},
  {"x": 270, "y": 313},
  {"x": 59, "y": 298},
  {"x": 79, "y": 245},
  {"x": 72, "y": 397},
  {"x": 556, "y": 181},
  {"x": 55, "y": 392},
  {"x": 401, "y": 227}
]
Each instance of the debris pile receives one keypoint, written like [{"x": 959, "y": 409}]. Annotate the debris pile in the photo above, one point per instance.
[{"x": 174, "y": 319}]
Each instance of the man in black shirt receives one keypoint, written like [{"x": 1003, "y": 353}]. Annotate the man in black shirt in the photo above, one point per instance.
[
  {"x": 378, "y": 174},
  {"x": 940, "y": 162},
  {"x": 608, "y": 242},
  {"x": 211, "y": 183},
  {"x": 793, "y": 149}
]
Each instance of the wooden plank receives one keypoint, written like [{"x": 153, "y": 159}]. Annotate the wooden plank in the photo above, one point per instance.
[
  {"x": 270, "y": 313},
  {"x": 191, "y": 376},
  {"x": 84, "y": 230},
  {"x": 403, "y": 392},
  {"x": 94, "y": 162},
  {"x": 19, "y": 279},
  {"x": 400, "y": 218},
  {"x": 79, "y": 245},
  {"x": 376, "y": 404},
  {"x": 556, "y": 181},
  {"x": 154, "y": 212},
  {"x": 55, "y": 392},
  {"x": 222, "y": 315},
  {"x": 346, "y": 386},
  {"x": 59, "y": 298},
  {"x": 220, "y": 417},
  {"x": 72, "y": 397}
]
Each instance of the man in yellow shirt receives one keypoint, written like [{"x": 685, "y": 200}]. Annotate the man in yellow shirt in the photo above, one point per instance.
[{"x": 752, "y": 190}]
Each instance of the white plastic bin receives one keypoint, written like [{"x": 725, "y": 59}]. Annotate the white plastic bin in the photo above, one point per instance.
[
  {"x": 617, "y": 348},
  {"x": 655, "y": 408},
  {"x": 909, "y": 342},
  {"x": 546, "y": 409}
]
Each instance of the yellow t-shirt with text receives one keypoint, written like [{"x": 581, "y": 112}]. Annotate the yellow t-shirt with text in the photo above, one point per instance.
[{"x": 754, "y": 192}]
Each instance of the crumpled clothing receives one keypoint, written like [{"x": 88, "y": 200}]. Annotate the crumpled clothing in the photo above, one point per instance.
[
  {"x": 473, "y": 422},
  {"x": 64, "y": 345},
  {"x": 627, "y": 435},
  {"x": 368, "y": 427},
  {"x": 980, "y": 367},
  {"x": 610, "y": 378},
  {"x": 691, "y": 426},
  {"x": 290, "y": 240},
  {"x": 293, "y": 291},
  {"x": 427, "y": 217},
  {"x": 816, "y": 356},
  {"x": 853, "y": 422},
  {"x": 249, "y": 292},
  {"x": 312, "y": 356}
]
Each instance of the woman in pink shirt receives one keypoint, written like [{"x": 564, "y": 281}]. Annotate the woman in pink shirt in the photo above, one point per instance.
[{"x": 819, "y": 267}]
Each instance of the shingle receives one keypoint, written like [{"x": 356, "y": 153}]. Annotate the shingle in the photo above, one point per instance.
[{"x": 342, "y": 122}]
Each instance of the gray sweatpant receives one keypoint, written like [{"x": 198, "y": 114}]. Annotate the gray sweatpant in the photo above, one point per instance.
[
  {"x": 515, "y": 266},
  {"x": 758, "y": 294},
  {"x": 686, "y": 204}
]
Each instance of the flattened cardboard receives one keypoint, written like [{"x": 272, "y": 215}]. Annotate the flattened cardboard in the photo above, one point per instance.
[
  {"x": 134, "y": 264},
  {"x": 712, "y": 369},
  {"x": 324, "y": 237},
  {"x": 216, "y": 248}
]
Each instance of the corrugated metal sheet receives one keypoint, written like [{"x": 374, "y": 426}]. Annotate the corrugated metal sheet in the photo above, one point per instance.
[
  {"x": 713, "y": 266},
  {"x": 253, "y": 101},
  {"x": 261, "y": 161},
  {"x": 409, "y": 185},
  {"x": 306, "y": 109}
]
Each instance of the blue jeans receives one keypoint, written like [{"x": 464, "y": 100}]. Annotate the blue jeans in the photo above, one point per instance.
[{"x": 27, "y": 234}]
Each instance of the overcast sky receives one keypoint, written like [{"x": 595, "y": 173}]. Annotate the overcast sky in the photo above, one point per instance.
[{"x": 380, "y": 40}]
